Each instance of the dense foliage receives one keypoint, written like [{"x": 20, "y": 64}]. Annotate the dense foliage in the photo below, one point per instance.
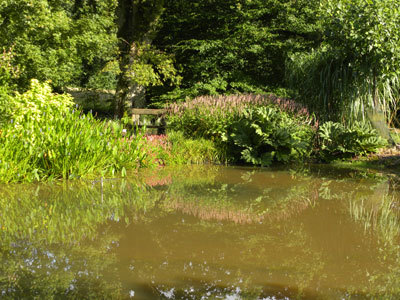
[
  {"x": 339, "y": 141},
  {"x": 267, "y": 134},
  {"x": 180, "y": 49},
  {"x": 356, "y": 68},
  {"x": 254, "y": 129},
  {"x": 367, "y": 31},
  {"x": 234, "y": 46},
  {"x": 219, "y": 46},
  {"x": 62, "y": 41},
  {"x": 46, "y": 138},
  {"x": 261, "y": 130},
  {"x": 191, "y": 49}
]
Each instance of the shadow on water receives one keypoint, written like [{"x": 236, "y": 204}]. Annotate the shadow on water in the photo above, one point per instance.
[
  {"x": 207, "y": 290},
  {"x": 204, "y": 233}
]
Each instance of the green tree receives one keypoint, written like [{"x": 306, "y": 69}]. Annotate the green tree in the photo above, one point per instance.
[
  {"x": 233, "y": 46},
  {"x": 87, "y": 43},
  {"x": 367, "y": 35},
  {"x": 62, "y": 41},
  {"x": 141, "y": 64}
]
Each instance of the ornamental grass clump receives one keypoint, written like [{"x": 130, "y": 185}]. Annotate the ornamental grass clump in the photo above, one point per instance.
[
  {"x": 46, "y": 137},
  {"x": 175, "y": 149},
  {"x": 256, "y": 129}
]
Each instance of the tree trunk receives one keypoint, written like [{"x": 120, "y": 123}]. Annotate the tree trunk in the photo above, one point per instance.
[
  {"x": 129, "y": 94},
  {"x": 137, "y": 24}
]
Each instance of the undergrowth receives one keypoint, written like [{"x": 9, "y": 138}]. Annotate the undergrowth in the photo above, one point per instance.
[
  {"x": 45, "y": 137},
  {"x": 175, "y": 149},
  {"x": 265, "y": 129},
  {"x": 256, "y": 129}
]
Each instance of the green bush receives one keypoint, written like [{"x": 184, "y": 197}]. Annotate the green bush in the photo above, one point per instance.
[
  {"x": 256, "y": 129},
  {"x": 192, "y": 151},
  {"x": 45, "y": 138},
  {"x": 338, "y": 141},
  {"x": 35, "y": 104},
  {"x": 267, "y": 134}
]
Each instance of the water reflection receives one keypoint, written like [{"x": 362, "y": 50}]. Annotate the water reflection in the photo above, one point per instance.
[{"x": 204, "y": 233}]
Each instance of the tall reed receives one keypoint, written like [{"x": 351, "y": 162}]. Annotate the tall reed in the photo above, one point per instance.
[{"x": 331, "y": 88}]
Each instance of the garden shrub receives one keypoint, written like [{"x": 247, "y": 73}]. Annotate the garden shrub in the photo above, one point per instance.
[
  {"x": 267, "y": 134},
  {"x": 338, "y": 141},
  {"x": 256, "y": 129},
  {"x": 36, "y": 104}
]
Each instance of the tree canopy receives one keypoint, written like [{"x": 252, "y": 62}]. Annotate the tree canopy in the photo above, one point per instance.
[
  {"x": 219, "y": 46},
  {"x": 158, "y": 51},
  {"x": 62, "y": 41},
  {"x": 366, "y": 31},
  {"x": 234, "y": 46}
]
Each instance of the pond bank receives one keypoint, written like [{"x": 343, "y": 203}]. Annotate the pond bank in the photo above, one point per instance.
[{"x": 387, "y": 160}]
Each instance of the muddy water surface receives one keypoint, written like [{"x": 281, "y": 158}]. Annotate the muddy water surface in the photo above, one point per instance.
[{"x": 204, "y": 233}]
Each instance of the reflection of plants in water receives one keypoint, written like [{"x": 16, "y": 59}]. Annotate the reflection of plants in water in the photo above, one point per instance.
[
  {"x": 296, "y": 199},
  {"x": 257, "y": 266},
  {"x": 385, "y": 283},
  {"x": 369, "y": 203},
  {"x": 197, "y": 174},
  {"x": 380, "y": 215},
  {"x": 220, "y": 260},
  {"x": 50, "y": 243},
  {"x": 66, "y": 213},
  {"x": 55, "y": 240},
  {"x": 38, "y": 270},
  {"x": 249, "y": 200},
  {"x": 218, "y": 247},
  {"x": 271, "y": 204}
]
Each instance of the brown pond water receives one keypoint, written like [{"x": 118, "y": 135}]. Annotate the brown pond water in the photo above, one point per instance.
[{"x": 205, "y": 232}]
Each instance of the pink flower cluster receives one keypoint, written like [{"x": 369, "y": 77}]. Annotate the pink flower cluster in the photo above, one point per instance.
[
  {"x": 236, "y": 104},
  {"x": 158, "y": 148},
  {"x": 157, "y": 141}
]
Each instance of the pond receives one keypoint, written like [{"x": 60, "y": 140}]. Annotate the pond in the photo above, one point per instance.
[{"x": 204, "y": 232}]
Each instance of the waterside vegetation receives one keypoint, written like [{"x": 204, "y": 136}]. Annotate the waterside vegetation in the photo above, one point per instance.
[
  {"x": 45, "y": 136},
  {"x": 334, "y": 77},
  {"x": 295, "y": 94}
]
